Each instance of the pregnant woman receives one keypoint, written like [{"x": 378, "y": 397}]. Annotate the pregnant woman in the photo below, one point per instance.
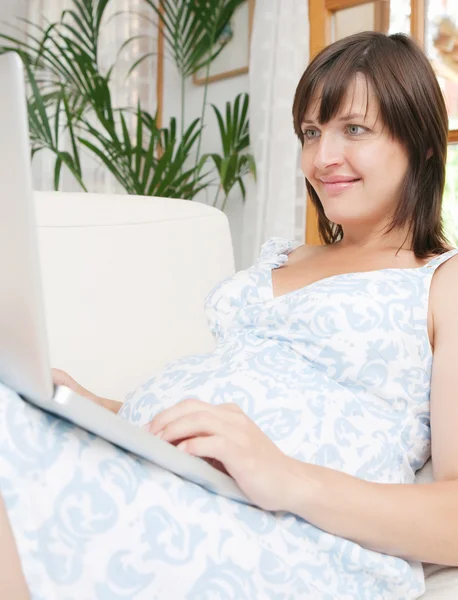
[{"x": 332, "y": 382}]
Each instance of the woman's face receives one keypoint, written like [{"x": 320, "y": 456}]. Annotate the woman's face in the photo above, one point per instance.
[{"x": 352, "y": 162}]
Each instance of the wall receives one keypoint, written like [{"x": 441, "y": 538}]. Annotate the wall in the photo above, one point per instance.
[
  {"x": 219, "y": 92},
  {"x": 353, "y": 20},
  {"x": 9, "y": 10}
]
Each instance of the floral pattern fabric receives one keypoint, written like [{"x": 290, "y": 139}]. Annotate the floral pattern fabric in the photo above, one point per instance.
[{"x": 337, "y": 373}]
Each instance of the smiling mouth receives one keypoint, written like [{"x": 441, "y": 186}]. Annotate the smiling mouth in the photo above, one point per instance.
[{"x": 339, "y": 186}]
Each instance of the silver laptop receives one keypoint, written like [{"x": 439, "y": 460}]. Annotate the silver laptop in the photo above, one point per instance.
[{"x": 24, "y": 355}]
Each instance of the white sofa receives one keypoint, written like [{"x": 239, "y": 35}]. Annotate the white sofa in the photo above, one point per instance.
[{"x": 124, "y": 281}]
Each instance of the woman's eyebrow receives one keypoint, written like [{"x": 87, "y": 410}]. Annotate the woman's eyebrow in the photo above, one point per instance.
[
  {"x": 351, "y": 116},
  {"x": 347, "y": 117}
]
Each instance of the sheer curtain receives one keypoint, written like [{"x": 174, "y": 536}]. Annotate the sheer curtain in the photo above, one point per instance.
[
  {"x": 141, "y": 85},
  {"x": 279, "y": 54}
]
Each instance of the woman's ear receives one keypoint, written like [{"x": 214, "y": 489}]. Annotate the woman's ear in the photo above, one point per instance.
[{"x": 429, "y": 154}]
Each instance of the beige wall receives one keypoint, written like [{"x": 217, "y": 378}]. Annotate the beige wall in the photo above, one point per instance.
[
  {"x": 353, "y": 20},
  {"x": 9, "y": 10}
]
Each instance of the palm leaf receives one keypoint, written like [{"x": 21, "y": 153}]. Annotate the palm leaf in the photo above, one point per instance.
[
  {"x": 136, "y": 167},
  {"x": 192, "y": 28},
  {"x": 234, "y": 163}
]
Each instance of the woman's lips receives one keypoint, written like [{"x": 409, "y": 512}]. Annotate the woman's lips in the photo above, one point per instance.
[{"x": 336, "y": 187}]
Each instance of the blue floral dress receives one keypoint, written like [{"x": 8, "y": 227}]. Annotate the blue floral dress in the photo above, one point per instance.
[{"x": 337, "y": 373}]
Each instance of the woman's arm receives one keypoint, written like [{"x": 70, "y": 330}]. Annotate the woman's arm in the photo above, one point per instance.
[
  {"x": 418, "y": 522},
  {"x": 412, "y": 521}
]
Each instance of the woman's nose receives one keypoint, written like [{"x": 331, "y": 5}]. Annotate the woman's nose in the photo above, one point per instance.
[{"x": 329, "y": 152}]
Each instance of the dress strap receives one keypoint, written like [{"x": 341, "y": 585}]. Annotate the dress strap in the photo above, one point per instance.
[
  {"x": 438, "y": 260},
  {"x": 274, "y": 252}
]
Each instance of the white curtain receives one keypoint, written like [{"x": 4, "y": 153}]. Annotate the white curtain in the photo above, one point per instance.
[
  {"x": 279, "y": 54},
  {"x": 125, "y": 92}
]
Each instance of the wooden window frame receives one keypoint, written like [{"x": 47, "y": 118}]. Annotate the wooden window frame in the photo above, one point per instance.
[{"x": 417, "y": 31}]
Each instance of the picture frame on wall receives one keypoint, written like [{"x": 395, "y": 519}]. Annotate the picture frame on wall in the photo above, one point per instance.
[{"x": 234, "y": 58}]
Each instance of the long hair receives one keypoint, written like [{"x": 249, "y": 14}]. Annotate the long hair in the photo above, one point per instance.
[{"x": 412, "y": 108}]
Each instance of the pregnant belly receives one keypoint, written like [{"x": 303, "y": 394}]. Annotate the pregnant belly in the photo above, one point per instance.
[{"x": 301, "y": 409}]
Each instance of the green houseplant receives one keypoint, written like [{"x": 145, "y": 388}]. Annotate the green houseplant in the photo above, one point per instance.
[{"x": 70, "y": 103}]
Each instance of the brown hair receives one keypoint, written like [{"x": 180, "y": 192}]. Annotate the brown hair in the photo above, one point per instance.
[{"x": 411, "y": 107}]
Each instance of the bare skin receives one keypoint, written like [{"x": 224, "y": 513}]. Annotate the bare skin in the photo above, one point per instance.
[
  {"x": 62, "y": 378},
  {"x": 12, "y": 582}
]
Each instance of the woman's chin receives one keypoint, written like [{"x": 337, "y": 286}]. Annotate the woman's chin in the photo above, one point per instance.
[{"x": 344, "y": 218}]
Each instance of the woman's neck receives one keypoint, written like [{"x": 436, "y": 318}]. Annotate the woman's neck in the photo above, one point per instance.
[{"x": 375, "y": 240}]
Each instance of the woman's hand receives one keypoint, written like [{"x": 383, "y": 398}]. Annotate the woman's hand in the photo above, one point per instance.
[
  {"x": 60, "y": 377},
  {"x": 225, "y": 434}
]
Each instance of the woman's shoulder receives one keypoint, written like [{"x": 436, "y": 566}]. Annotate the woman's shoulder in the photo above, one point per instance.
[
  {"x": 445, "y": 258},
  {"x": 443, "y": 290}
]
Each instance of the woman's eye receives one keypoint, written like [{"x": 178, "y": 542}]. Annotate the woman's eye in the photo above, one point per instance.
[
  {"x": 355, "y": 129},
  {"x": 310, "y": 134}
]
